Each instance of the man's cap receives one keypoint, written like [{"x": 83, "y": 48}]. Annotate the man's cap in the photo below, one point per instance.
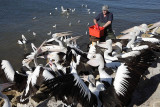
[{"x": 105, "y": 7}]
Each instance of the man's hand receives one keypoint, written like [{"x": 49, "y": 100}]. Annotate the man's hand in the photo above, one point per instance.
[{"x": 97, "y": 27}]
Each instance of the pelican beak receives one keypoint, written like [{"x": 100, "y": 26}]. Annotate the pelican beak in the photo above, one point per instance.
[
  {"x": 93, "y": 84},
  {"x": 6, "y": 85},
  {"x": 85, "y": 78}
]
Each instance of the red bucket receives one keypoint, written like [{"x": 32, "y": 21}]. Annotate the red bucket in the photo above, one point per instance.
[{"x": 96, "y": 32}]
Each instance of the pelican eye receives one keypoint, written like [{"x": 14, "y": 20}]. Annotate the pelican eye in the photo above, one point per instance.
[{"x": 94, "y": 56}]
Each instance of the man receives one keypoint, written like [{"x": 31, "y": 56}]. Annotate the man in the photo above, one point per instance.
[{"x": 105, "y": 20}]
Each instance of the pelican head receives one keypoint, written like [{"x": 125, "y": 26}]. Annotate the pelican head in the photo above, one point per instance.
[
  {"x": 144, "y": 28},
  {"x": 90, "y": 78},
  {"x": 136, "y": 30}
]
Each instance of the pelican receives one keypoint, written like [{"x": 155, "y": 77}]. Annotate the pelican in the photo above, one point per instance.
[
  {"x": 77, "y": 91},
  {"x": 35, "y": 80},
  {"x": 6, "y": 100},
  {"x": 140, "y": 27},
  {"x": 97, "y": 60},
  {"x": 119, "y": 93},
  {"x": 9, "y": 75},
  {"x": 22, "y": 41}
]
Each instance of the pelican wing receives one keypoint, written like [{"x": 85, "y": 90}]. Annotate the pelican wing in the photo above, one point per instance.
[
  {"x": 71, "y": 89},
  {"x": 6, "y": 71},
  {"x": 34, "y": 81},
  {"x": 127, "y": 78}
]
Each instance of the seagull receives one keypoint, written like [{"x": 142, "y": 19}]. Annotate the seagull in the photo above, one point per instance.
[
  {"x": 22, "y": 41},
  {"x": 50, "y": 13},
  {"x": 34, "y": 18},
  {"x": 86, "y": 33},
  {"x": 88, "y": 10},
  {"x": 70, "y": 24},
  {"x": 64, "y": 10},
  {"x": 6, "y": 100},
  {"x": 86, "y": 6},
  {"x": 49, "y": 33},
  {"x": 82, "y": 5},
  {"x": 56, "y": 8},
  {"x": 34, "y": 34},
  {"x": 33, "y": 47},
  {"x": 79, "y": 21},
  {"x": 73, "y": 10},
  {"x": 54, "y": 26},
  {"x": 94, "y": 12},
  {"x": 88, "y": 24},
  {"x": 67, "y": 16}
]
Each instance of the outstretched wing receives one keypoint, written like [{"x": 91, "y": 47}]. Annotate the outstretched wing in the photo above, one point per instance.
[
  {"x": 6, "y": 71},
  {"x": 71, "y": 90},
  {"x": 34, "y": 82},
  {"x": 127, "y": 78}
]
